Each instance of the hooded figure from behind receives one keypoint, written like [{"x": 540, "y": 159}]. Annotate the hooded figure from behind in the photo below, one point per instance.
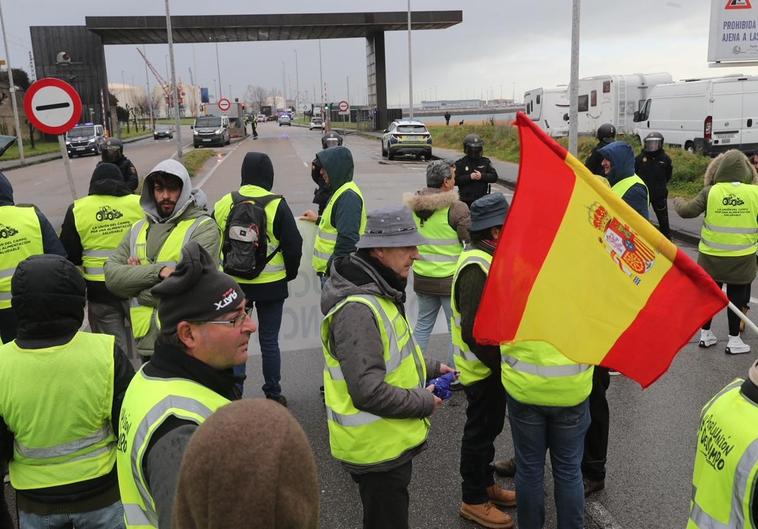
[
  {"x": 344, "y": 217},
  {"x": 618, "y": 164},
  {"x": 92, "y": 229},
  {"x": 24, "y": 231},
  {"x": 146, "y": 252},
  {"x": 284, "y": 249}
]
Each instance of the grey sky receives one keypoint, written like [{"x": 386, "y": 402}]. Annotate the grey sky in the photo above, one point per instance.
[{"x": 501, "y": 45}]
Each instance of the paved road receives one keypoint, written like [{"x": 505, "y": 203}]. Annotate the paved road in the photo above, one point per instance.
[{"x": 652, "y": 433}]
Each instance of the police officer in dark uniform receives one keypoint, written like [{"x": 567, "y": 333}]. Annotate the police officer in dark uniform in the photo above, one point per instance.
[
  {"x": 322, "y": 193},
  {"x": 653, "y": 165},
  {"x": 606, "y": 133},
  {"x": 113, "y": 152},
  {"x": 474, "y": 173}
]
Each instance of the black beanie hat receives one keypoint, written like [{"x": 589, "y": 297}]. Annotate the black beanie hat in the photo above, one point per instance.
[
  {"x": 48, "y": 294},
  {"x": 196, "y": 291}
]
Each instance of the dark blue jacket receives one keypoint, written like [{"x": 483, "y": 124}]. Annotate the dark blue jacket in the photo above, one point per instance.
[
  {"x": 621, "y": 156},
  {"x": 50, "y": 241}
]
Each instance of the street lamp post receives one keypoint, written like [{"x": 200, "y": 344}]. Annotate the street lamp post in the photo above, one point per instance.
[
  {"x": 410, "y": 65},
  {"x": 574, "y": 82},
  {"x": 297, "y": 84},
  {"x": 218, "y": 68},
  {"x": 12, "y": 88},
  {"x": 173, "y": 83}
]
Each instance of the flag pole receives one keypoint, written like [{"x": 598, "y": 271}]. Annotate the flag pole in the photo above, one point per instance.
[{"x": 741, "y": 315}]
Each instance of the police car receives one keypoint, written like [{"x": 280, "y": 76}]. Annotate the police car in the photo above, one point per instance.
[{"x": 87, "y": 138}]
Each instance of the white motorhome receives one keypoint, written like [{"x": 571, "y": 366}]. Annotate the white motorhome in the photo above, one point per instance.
[
  {"x": 548, "y": 108},
  {"x": 704, "y": 115},
  {"x": 614, "y": 99}
]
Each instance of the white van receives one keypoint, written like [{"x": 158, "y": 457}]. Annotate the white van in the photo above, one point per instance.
[
  {"x": 704, "y": 115},
  {"x": 548, "y": 108},
  {"x": 614, "y": 99}
]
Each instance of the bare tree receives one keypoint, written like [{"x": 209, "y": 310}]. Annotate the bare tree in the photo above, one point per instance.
[{"x": 255, "y": 96}]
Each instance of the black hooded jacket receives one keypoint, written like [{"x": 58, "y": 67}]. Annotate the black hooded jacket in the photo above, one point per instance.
[
  {"x": 106, "y": 180},
  {"x": 48, "y": 299},
  {"x": 128, "y": 173},
  {"x": 257, "y": 170},
  {"x": 50, "y": 242}
]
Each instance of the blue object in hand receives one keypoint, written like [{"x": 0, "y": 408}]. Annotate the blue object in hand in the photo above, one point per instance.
[{"x": 442, "y": 385}]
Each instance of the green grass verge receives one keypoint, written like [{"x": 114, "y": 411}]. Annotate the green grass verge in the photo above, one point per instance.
[
  {"x": 39, "y": 148},
  {"x": 501, "y": 142},
  {"x": 195, "y": 160}
]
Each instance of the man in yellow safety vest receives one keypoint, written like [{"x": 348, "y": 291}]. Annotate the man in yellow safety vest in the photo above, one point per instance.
[
  {"x": 92, "y": 229},
  {"x": 175, "y": 214},
  {"x": 60, "y": 395},
  {"x": 377, "y": 401},
  {"x": 205, "y": 330}
]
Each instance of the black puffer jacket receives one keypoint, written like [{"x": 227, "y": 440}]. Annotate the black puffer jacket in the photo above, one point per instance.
[{"x": 48, "y": 298}]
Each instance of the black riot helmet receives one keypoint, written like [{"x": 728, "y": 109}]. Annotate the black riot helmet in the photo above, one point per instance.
[
  {"x": 653, "y": 142},
  {"x": 331, "y": 139},
  {"x": 113, "y": 150},
  {"x": 473, "y": 145},
  {"x": 606, "y": 133}
]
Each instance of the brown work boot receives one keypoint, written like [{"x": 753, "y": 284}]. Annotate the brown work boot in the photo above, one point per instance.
[
  {"x": 486, "y": 515},
  {"x": 500, "y": 496}
]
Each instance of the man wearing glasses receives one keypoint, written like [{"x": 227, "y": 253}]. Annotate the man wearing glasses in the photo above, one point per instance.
[{"x": 205, "y": 329}]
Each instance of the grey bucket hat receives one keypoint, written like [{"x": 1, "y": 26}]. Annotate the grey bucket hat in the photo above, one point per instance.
[
  {"x": 488, "y": 211},
  {"x": 390, "y": 228}
]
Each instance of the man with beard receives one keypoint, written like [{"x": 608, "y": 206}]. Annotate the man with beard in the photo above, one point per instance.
[{"x": 175, "y": 214}]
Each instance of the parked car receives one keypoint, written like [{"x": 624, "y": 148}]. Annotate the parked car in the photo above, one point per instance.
[
  {"x": 261, "y": 118},
  {"x": 209, "y": 130},
  {"x": 284, "y": 119},
  {"x": 85, "y": 139},
  {"x": 163, "y": 131},
  {"x": 316, "y": 123},
  {"x": 406, "y": 137}
]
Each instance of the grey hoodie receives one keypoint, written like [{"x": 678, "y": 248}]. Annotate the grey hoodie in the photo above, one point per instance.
[
  {"x": 356, "y": 343},
  {"x": 128, "y": 281}
]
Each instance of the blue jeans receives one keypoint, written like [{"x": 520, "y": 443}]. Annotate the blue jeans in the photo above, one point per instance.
[
  {"x": 561, "y": 430},
  {"x": 269, "y": 323},
  {"x": 428, "y": 307},
  {"x": 111, "y": 517}
]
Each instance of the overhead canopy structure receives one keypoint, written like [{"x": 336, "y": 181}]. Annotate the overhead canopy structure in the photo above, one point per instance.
[
  {"x": 243, "y": 28},
  {"x": 85, "y": 56}
]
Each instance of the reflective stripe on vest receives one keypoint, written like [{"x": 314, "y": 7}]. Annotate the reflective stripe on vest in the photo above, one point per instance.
[
  {"x": 730, "y": 228},
  {"x": 59, "y": 445},
  {"x": 101, "y": 222},
  {"x": 143, "y": 317},
  {"x": 326, "y": 236},
  {"x": 625, "y": 184},
  {"x": 20, "y": 237},
  {"x": 361, "y": 437},
  {"x": 439, "y": 257},
  {"x": 726, "y": 462},
  {"x": 274, "y": 269},
  {"x": 147, "y": 404},
  {"x": 471, "y": 369},
  {"x": 535, "y": 372}
]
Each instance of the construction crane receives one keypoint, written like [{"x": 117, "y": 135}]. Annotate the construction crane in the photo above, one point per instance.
[{"x": 163, "y": 84}]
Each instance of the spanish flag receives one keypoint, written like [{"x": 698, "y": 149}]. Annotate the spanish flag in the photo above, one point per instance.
[{"x": 579, "y": 268}]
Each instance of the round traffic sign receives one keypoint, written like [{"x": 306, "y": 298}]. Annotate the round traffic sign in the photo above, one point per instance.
[
  {"x": 224, "y": 104},
  {"x": 343, "y": 106},
  {"x": 52, "y": 105}
]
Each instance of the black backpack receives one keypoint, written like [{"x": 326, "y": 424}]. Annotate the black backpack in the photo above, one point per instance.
[{"x": 245, "y": 247}]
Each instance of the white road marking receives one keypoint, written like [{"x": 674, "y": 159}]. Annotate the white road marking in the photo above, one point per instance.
[{"x": 219, "y": 162}]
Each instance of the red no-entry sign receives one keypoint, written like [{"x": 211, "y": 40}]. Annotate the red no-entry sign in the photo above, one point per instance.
[
  {"x": 224, "y": 104},
  {"x": 52, "y": 105}
]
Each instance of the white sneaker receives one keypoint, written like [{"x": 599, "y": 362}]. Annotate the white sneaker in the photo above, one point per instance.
[
  {"x": 736, "y": 346},
  {"x": 707, "y": 338}
]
